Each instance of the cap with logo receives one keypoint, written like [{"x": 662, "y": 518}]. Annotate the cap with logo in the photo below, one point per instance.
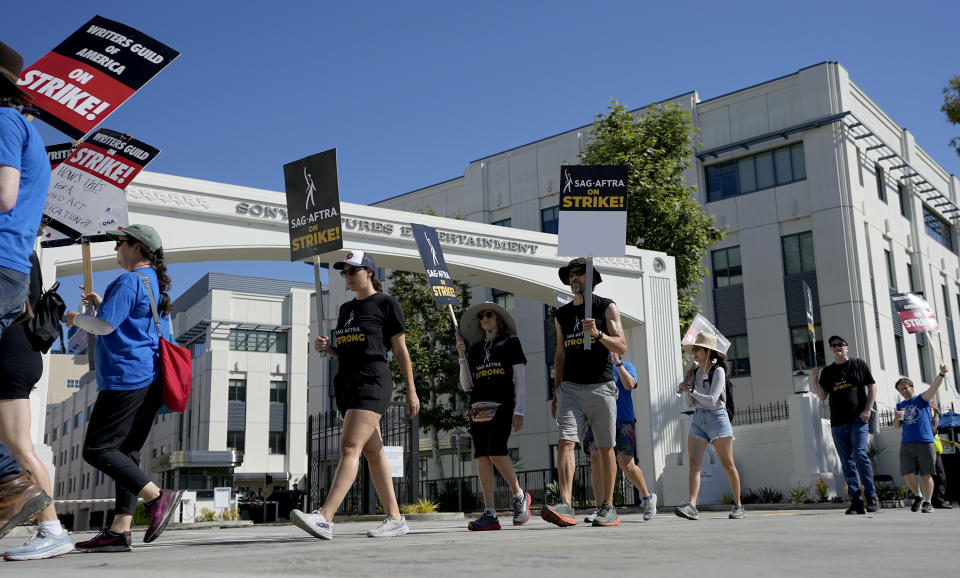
[{"x": 357, "y": 259}]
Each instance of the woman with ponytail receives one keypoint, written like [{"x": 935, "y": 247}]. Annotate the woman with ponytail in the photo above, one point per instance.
[
  {"x": 368, "y": 326},
  {"x": 129, "y": 385}
]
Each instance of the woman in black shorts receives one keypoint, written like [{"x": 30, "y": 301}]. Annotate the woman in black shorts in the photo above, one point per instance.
[
  {"x": 492, "y": 372},
  {"x": 368, "y": 326}
]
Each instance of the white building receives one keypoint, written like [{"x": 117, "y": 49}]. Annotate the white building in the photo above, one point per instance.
[
  {"x": 245, "y": 424},
  {"x": 815, "y": 184}
]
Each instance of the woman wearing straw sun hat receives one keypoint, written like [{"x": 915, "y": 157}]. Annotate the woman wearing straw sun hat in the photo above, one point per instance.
[
  {"x": 705, "y": 389},
  {"x": 492, "y": 371}
]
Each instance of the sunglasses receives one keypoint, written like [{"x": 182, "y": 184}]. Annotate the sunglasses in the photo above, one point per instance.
[
  {"x": 350, "y": 272},
  {"x": 837, "y": 344},
  {"x": 576, "y": 273},
  {"x": 121, "y": 242},
  {"x": 485, "y": 314}
]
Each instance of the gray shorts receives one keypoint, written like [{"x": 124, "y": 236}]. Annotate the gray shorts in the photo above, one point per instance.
[
  {"x": 581, "y": 404},
  {"x": 917, "y": 458}
]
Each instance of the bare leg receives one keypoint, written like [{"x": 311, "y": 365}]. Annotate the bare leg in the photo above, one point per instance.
[
  {"x": 695, "y": 449},
  {"x": 596, "y": 477},
  {"x": 505, "y": 466},
  {"x": 912, "y": 482},
  {"x": 358, "y": 426},
  {"x": 565, "y": 467},
  {"x": 15, "y": 434},
  {"x": 380, "y": 472},
  {"x": 633, "y": 473},
  {"x": 485, "y": 473},
  {"x": 927, "y": 482},
  {"x": 724, "y": 447},
  {"x": 608, "y": 460}
]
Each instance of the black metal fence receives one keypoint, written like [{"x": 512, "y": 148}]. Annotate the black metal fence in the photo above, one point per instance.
[{"x": 776, "y": 411}]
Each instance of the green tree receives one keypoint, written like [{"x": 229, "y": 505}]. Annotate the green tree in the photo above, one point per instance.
[
  {"x": 663, "y": 213},
  {"x": 951, "y": 107},
  {"x": 432, "y": 344}
]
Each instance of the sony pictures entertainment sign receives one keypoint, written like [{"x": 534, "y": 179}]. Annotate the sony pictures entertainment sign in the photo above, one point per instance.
[
  {"x": 91, "y": 73},
  {"x": 313, "y": 205},
  {"x": 593, "y": 211}
]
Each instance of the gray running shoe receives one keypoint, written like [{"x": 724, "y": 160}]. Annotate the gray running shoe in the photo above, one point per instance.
[
  {"x": 389, "y": 528},
  {"x": 521, "y": 509},
  {"x": 737, "y": 512},
  {"x": 592, "y": 515},
  {"x": 560, "y": 514},
  {"x": 650, "y": 508},
  {"x": 41, "y": 545},
  {"x": 606, "y": 516},
  {"x": 688, "y": 511},
  {"x": 926, "y": 508},
  {"x": 314, "y": 524}
]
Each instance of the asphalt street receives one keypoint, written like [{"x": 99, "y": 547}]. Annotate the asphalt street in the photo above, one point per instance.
[{"x": 765, "y": 543}]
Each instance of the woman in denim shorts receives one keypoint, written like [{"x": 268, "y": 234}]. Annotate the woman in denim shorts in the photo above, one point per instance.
[{"x": 705, "y": 390}]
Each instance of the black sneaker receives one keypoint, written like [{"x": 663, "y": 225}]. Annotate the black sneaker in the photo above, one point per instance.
[
  {"x": 856, "y": 507},
  {"x": 106, "y": 541},
  {"x": 915, "y": 506},
  {"x": 873, "y": 504}
]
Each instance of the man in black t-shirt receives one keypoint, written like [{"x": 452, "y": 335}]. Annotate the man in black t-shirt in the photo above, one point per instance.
[
  {"x": 850, "y": 386},
  {"x": 586, "y": 392}
]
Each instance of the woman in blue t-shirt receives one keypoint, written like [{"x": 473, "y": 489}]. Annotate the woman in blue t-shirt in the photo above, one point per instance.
[
  {"x": 129, "y": 385},
  {"x": 917, "y": 453}
]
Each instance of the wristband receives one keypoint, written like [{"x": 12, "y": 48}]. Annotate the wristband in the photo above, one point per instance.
[{"x": 619, "y": 364}]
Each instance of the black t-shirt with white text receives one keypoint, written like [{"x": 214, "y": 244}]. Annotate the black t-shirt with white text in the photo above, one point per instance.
[
  {"x": 362, "y": 337},
  {"x": 846, "y": 387},
  {"x": 581, "y": 366},
  {"x": 492, "y": 370}
]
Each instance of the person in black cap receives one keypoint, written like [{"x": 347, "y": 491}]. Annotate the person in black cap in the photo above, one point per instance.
[
  {"x": 368, "y": 326},
  {"x": 24, "y": 180},
  {"x": 852, "y": 390},
  {"x": 587, "y": 392}
]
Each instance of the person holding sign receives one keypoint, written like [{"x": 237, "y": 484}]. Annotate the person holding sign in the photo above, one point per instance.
[
  {"x": 367, "y": 327},
  {"x": 24, "y": 180},
  {"x": 705, "y": 389},
  {"x": 918, "y": 456},
  {"x": 492, "y": 371},
  {"x": 852, "y": 390},
  {"x": 129, "y": 384},
  {"x": 587, "y": 392}
]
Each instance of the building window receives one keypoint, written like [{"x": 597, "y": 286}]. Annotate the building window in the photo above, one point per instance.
[
  {"x": 756, "y": 172},
  {"x": 503, "y": 299},
  {"x": 727, "y": 269},
  {"x": 503, "y": 222},
  {"x": 938, "y": 229},
  {"x": 198, "y": 348},
  {"x": 235, "y": 440},
  {"x": 278, "y": 391},
  {"x": 237, "y": 390},
  {"x": 798, "y": 254},
  {"x": 904, "y": 201},
  {"x": 73, "y": 384},
  {"x": 881, "y": 183},
  {"x": 256, "y": 340},
  {"x": 65, "y": 429},
  {"x": 53, "y": 434},
  {"x": 278, "y": 442},
  {"x": 550, "y": 220},
  {"x": 891, "y": 270},
  {"x": 738, "y": 356},
  {"x": 77, "y": 420},
  {"x": 803, "y": 357}
]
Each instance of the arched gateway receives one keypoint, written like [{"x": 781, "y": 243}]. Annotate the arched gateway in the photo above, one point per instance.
[{"x": 208, "y": 221}]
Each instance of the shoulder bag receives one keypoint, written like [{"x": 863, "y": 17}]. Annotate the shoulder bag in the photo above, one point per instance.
[{"x": 175, "y": 365}]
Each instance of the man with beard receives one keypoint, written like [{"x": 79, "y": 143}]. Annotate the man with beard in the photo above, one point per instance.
[{"x": 587, "y": 392}]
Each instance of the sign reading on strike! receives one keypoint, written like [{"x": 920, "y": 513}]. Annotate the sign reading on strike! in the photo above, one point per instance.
[
  {"x": 436, "y": 267},
  {"x": 593, "y": 210},
  {"x": 86, "y": 191},
  {"x": 313, "y": 205},
  {"x": 914, "y": 312},
  {"x": 91, "y": 73}
]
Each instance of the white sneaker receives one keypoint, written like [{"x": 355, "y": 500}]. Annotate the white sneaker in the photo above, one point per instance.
[
  {"x": 592, "y": 515},
  {"x": 650, "y": 508},
  {"x": 314, "y": 524},
  {"x": 41, "y": 545},
  {"x": 390, "y": 527}
]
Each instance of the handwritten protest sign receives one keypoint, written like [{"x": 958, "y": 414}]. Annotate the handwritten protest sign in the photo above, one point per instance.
[
  {"x": 91, "y": 73},
  {"x": 87, "y": 190}
]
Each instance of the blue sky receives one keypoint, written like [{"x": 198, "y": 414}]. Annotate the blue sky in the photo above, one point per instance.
[{"x": 410, "y": 92}]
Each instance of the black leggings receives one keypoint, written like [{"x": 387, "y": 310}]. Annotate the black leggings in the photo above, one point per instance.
[{"x": 117, "y": 429}]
